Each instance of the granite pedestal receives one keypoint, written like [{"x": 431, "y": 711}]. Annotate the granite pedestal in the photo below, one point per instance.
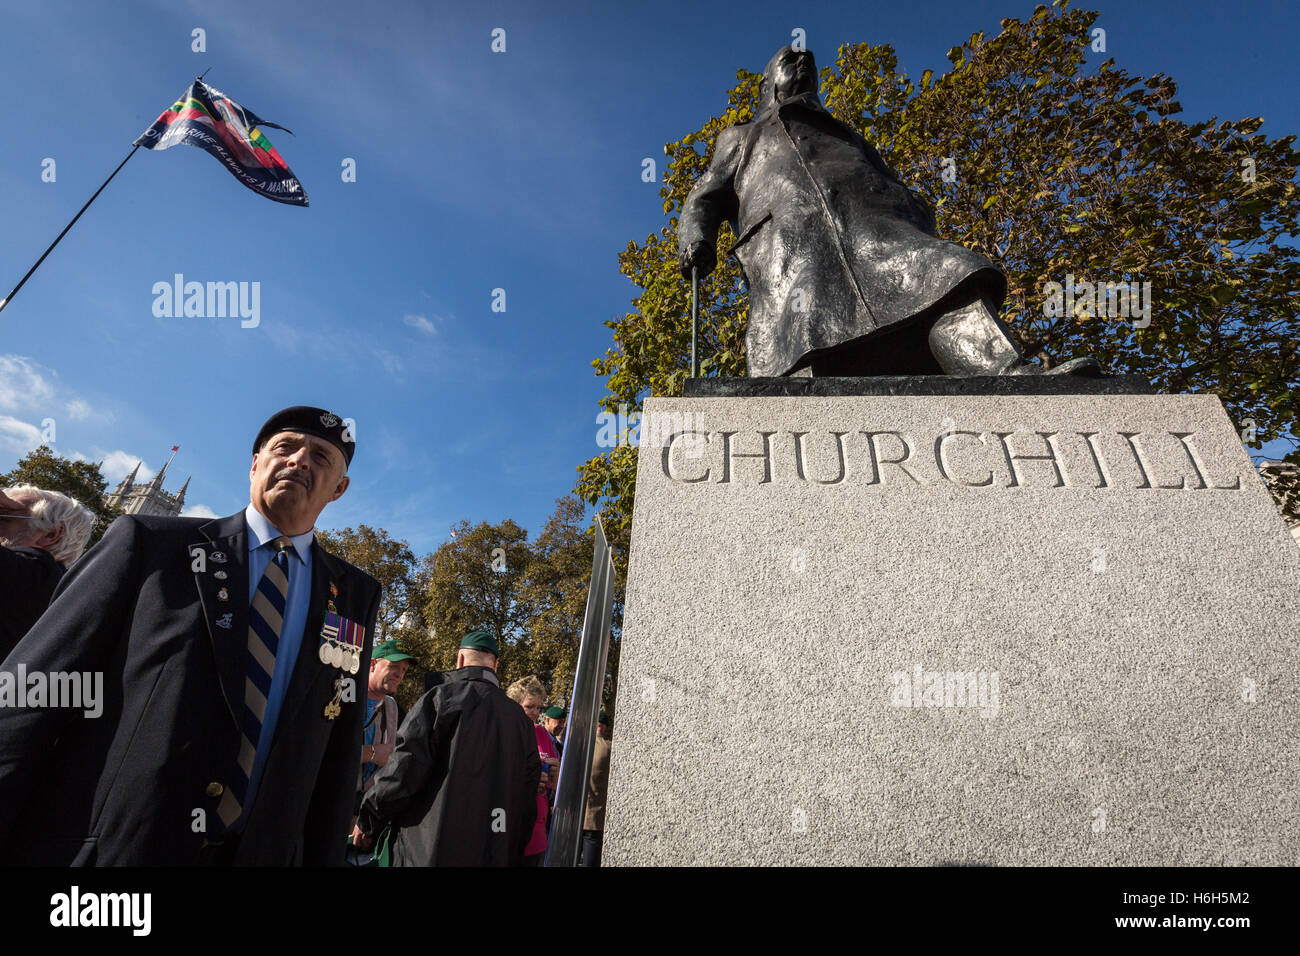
[{"x": 955, "y": 629}]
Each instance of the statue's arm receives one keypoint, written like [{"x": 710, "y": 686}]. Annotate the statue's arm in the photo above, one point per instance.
[{"x": 712, "y": 200}]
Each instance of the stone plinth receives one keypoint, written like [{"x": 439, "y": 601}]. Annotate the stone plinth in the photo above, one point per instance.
[{"x": 962, "y": 629}]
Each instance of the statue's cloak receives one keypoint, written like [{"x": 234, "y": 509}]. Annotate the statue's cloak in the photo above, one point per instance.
[{"x": 834, "y": 248}]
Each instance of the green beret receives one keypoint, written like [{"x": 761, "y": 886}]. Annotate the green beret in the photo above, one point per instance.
[
  {"x": 602, "y": 717},
  {"x": 556, "y": 713},
  {"x": 394, "y": 650},
  {"x": 480, "y": 641},
  {"x": 310, "y": 421}
]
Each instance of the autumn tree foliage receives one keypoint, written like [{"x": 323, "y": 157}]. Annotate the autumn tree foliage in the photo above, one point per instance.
[{"x": 1040, "y": 152}]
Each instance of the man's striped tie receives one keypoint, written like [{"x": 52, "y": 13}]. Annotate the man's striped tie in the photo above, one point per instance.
[{"x": 265, "y": 618}]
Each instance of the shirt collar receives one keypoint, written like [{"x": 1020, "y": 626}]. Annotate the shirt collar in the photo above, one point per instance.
[
  {"x": 476, "y": 672},
  {"x": 260, "y": 531}
]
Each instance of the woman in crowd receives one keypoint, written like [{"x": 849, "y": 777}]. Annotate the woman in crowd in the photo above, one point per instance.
[{"x": 530, "y": 694}]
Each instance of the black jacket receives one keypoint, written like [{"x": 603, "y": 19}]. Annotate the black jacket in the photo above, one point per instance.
[
  {"x": 126, "y": 788},
  {"x": 461, "y": 786},
  {"x": 27, "y": 579}
]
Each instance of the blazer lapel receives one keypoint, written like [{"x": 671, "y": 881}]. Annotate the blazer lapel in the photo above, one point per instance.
[
  {"x": 309, "y": 673},
  {"x": 219, "y": 563}
]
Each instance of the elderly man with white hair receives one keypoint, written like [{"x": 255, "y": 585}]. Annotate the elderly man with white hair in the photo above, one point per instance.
[{"x": 41, "y": 534}]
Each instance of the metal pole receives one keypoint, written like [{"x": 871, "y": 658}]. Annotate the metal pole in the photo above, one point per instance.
[
  {"x": 695, "y": 320},
  {"x": 564, "y": 846},
  {"x": 5, "y": 301}
]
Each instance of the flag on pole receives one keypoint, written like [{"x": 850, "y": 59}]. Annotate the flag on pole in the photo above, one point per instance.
[
  {"x": 207, "y": 118},
  {"x": 176, "y": 447}
]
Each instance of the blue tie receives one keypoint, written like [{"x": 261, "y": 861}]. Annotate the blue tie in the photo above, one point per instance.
[{"x": 265, "y": 618}]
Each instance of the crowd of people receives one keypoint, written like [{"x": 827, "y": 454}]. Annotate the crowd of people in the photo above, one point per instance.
[{"x": 184, "y": 693}]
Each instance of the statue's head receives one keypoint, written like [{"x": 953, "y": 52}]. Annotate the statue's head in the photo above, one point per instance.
[{"x": 789, "y": 73}]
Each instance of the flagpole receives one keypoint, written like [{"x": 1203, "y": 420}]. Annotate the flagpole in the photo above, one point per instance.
[{"x": 5, "y": 301}]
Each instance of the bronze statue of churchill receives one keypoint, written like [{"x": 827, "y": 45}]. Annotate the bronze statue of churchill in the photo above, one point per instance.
[{"x": 845, "y": 273}]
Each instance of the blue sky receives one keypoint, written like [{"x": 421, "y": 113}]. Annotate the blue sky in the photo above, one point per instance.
[{"x": 475, "y": 171}]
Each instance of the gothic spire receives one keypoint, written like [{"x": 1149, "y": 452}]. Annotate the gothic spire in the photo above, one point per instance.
[
  {"x": 125, "y": 485},
  {"x": 157, "y": 482}
]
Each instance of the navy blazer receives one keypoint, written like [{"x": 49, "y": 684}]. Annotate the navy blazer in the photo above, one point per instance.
[
  {"x": 28, "y": 577},
  {"x": 140, "y": 784}
]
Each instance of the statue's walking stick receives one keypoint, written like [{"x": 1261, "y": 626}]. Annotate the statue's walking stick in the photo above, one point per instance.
[{"x": 695, "y": 319}]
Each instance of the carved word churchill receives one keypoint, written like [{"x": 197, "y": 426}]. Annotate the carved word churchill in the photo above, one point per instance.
[{"x": 1012, "y": 458}]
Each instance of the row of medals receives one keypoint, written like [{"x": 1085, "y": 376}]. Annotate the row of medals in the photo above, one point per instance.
[{"x": 344, "y": 657}]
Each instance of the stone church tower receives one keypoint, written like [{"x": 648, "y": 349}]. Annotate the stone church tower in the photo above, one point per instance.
[{"x": 147, "y": 499}]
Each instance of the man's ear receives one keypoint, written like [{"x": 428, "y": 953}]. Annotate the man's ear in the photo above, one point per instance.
[
  {"x": 342, "y": 487},
  {"x": 48, "y": 540},
  {"x": 252, "y": 469}
]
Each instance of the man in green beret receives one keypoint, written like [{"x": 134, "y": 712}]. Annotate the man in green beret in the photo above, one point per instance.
[
  {"x": 460, "y": 789},
  {"x": 553, "y": 720},
  {"x": 388, "y": 663}
]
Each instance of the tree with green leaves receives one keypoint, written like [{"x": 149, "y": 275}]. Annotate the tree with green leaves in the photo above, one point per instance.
[
  {"x": 1051, "y": 161},
  {"x": 472, "y": 583},
  {"x": 531, "y": 595},
  {"x": 76, "y": 479},
  {"x": 555, "y": 591}
]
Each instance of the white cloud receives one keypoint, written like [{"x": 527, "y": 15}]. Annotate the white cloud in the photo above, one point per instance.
[
  {"x": 422, "y": 323},
  {"x": 21, "y": 383},
  {"x": 284, "y": 336},
  {"x": 198, "y": 511},
  {"x": 391, "y": 363},
  {"x": 118, "y": 464},
  {"x": 18, "y": 437},
  {"x": 35, "y": 390}
]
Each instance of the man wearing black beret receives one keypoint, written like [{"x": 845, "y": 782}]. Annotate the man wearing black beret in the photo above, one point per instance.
[{"x": 228, "y": 648}]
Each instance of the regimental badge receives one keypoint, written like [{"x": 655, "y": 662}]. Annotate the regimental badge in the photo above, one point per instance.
[
  {"x": 341, "y": 642},
  {"x": 329, "y": 420},
  {"x": 217, "y": 557},
  {"x": 334, "y": 707},
  {"x": 223, "y": 594},
  {"x": 226, "y": 620},
  {"x": 334, "y": 592},
  {"x": 219, "y": 575}
]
